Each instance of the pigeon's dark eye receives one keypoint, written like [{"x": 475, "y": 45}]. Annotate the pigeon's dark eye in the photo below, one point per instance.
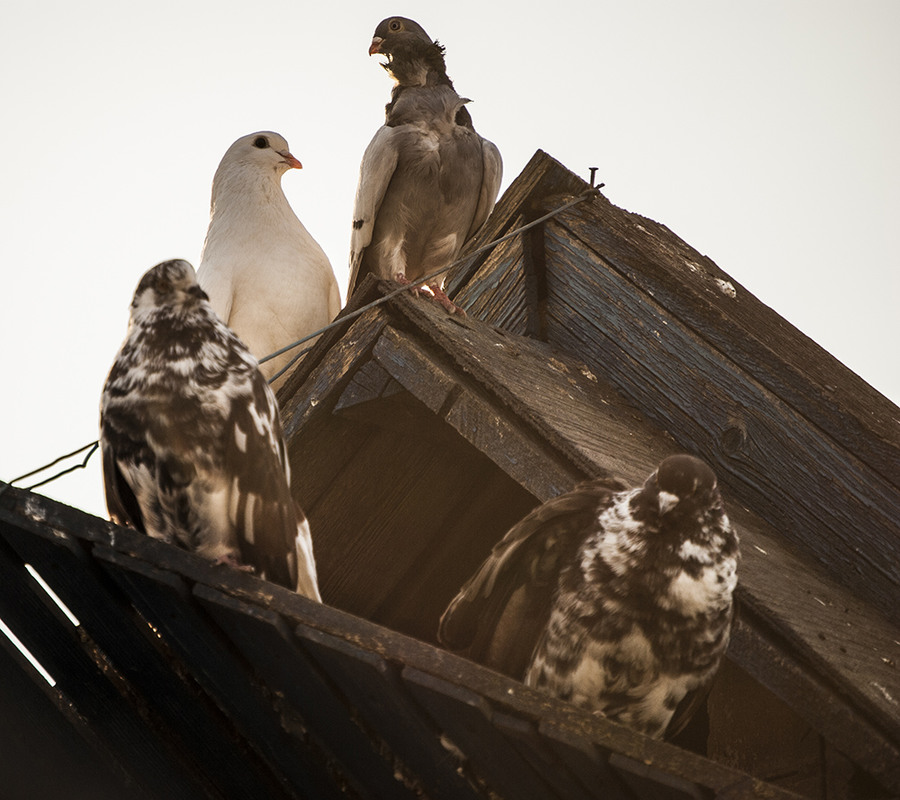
[
  {"x": 395, "y": 25},
  {"x": 261, "y": 142}
]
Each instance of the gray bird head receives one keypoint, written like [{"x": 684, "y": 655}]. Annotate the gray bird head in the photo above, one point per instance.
[
  {"x": 396, "y": 30},
  {"x": 682, "y": 482},
  {"x": 170, "y": 283},
  {"x": 413, "y": 59}
]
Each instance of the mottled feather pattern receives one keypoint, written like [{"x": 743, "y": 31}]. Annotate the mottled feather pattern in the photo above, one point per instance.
[
  {"x": 193, "y": 449},
  {"x": 629, "y": 598}
]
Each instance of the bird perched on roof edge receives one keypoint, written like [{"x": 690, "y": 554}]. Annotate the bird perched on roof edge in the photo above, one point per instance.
[
  {"x": 617, "y": 600},
  {"x": 266, "y": 277},
  {"x": 191, "y": 439},
  {"x": 427, "y": 180}
]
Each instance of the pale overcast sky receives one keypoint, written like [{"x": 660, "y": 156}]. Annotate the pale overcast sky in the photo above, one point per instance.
[{"x": 764, "y": 133}]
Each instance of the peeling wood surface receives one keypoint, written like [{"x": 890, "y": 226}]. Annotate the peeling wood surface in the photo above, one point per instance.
[
  {"x": 781, "y": 464},
  {"x": 843, "y": 650},
  {"x": 307, "y": 696},
  {"x": 807, "y": 443}
]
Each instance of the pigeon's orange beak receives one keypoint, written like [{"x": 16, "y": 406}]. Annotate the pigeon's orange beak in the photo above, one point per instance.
[
  {"x": 375, "y": 47},
  {"x": 290, "y": 160}
]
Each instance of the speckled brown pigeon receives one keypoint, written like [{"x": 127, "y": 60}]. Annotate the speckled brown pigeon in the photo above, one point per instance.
[
  {"x": 617, "y": 600},
  {"x": 193, "y": 451}
]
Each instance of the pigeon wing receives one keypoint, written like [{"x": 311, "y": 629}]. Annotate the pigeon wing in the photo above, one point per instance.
[
  {"x": 492, "y": 175},
  {"x": 499, "y": 614},
  {"x": 266, "y": 519},
  {"x": 219, "y": 287},
  {"x": 378, "y": 164},
  {"x": 121, "y": 502}
]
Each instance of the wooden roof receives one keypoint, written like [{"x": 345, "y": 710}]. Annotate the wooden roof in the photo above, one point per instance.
[
  {"x": 187, "y": 680},
  {"x": 445, "y": 429},
  {"x": 807, "y": 444},
  {"x": 598, "y": 342}
]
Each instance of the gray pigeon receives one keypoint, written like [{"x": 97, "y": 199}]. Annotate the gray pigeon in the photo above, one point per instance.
[
  {"x": 427, "y": 181},
  {"x": 193, "y": 451},
  {"x": 266, "y": 277},
  {"x": 617, "y": 600}
]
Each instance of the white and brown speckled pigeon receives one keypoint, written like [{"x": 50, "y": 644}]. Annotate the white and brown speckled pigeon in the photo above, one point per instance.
[
  {"x": 617, "y": 600},
  {"x": 266, "y": 277},
  {"x": 193, "y": 451},
  {"x": 427, "y": 180}
]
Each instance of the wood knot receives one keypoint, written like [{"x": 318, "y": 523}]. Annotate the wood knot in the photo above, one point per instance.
[{"x": 733, "y": 439}]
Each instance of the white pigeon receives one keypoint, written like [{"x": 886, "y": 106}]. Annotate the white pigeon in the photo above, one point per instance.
[
  {"x": 193, "y": 450},
  {"x": 266, "y": 277}
]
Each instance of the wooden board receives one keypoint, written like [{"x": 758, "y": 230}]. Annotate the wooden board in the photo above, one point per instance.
[
  {"x": 319, "y": 702},
  {"x": 808, "y": 443},
  {"x": 163, "y": 599},
  {"x": 374, "y": 687},
  {"x": 32, "y": 737},
  {"x": 818, "y": 493},
  {"x": 84, "y": 690}
]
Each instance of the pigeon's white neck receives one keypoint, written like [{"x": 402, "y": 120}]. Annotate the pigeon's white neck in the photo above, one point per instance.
[
  {"x": 241, "y": 185},
  {"x": 247, "y": 200}
]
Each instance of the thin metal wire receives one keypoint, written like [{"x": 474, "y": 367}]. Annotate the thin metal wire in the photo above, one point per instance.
[
  {"x": 94, "y": 446},
  {"x": 592, "y": 192}
]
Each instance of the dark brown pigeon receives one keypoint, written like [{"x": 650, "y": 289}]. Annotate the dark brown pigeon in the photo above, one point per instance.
[
  {"x": 617, "y": 600},
  {"x": 193, "y": 451},
  {"x": 427, "y": 181}
]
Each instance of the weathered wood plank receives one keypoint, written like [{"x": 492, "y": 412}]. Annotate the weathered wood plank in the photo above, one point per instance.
[
  {"x": 872, "y": 746},
  {"x": 465, "y": 719},
  {"x": 756, "y": 338},
  {"x": 572, "y": 410},
  {"x": 373, "y": 687},
  {"x": 267, "y": 643},
  {"x": 331, "y": 368},
  {"x": 43, "y": 756},
  {"x": 369, "y": 382},
  {"x": 542, "y": 179},
  {"x": 497, "y": 291},
  {"x": 164, "y": 599},
  {"x": 524, "y": 737},
  {"x": 780, "y": 465},
  {"x": 463, "y": 542},
  {"x": 836, "y": 635},
  {"x": 351, "y": 320},
  {"x": 363, "y": 548},
  {"x": 169, "y": 705},
  {"x": 590, "y": 764},
  {"x": 650, "y": 783},
  {"x": 753, "y": 730},
  {"x": 413, "y": 370},
  {"x": 686, "y": 282},
  {"x": 96, "y": 697}
]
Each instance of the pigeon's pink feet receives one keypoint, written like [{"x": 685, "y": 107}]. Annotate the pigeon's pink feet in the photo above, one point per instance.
[
  {"x": 233, "y": 562},
  {"x": 434, "y": 292},
  {"x": 441, "y": 297}
]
